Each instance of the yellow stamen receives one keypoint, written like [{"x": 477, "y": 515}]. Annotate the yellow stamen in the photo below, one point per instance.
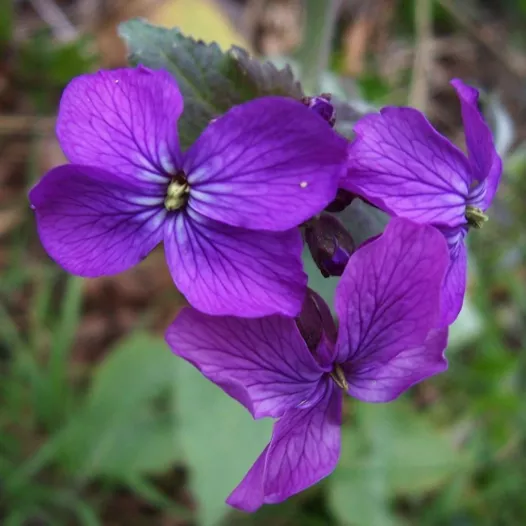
[
  {"x": 338, "y": 376},
  {"x": 176, "y": 195},
  {"x": 475, "y": 216}
]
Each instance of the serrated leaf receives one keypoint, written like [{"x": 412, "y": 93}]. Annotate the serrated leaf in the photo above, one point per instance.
[
  {"x": 220, "y": 441},
  {"x": 126, "y": 427},
  {"x": 210, "y": 80},
  {"x": 263, "y": 78},
  {"x": 390, "y": 451},
  {"x": 345, "y": 97}
]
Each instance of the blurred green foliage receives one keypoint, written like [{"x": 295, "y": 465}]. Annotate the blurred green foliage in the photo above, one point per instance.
[
  {"x": 443, "y": 20},
  {"x": 6, "y": 24},
  {"x": 45, "y": 66}
]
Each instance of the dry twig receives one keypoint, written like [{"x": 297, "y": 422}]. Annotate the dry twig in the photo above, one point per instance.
[
  {"x": 14, "y": 125},
  {"x": 53, "y": 16}
]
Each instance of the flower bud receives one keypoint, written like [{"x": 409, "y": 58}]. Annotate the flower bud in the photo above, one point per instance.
[
  {"x": 315, "y": 321},
  {"x": 342, "y": 200},
  {"x": 329, "y": 243},
  {"x": 323, "y": 107}
]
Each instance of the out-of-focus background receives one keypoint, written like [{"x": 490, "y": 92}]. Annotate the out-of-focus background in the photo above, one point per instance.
[{"x": 101, "y": 425}]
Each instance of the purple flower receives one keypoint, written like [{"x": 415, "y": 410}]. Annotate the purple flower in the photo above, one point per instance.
[
  {"x": 388, "y": 303},
  {"x": 400, "y": 163},
  {"x": 323, "y": 107},
  {"x": 227, "y": 208}
]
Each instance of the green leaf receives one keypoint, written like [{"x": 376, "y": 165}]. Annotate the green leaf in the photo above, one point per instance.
[
  {"x": 392, "y": 451},
  {"x": 119, "y": 448},
  {"x": 219, "y": 438},
  {"x": 360, "y": 497},
  {"x": 210, "y": 80},
  {"x": 138, "y": 369},
  {"x": 346, "y": 100},
  {"x": 416, "y": 455},
  {"x": 127, "y": 425}
]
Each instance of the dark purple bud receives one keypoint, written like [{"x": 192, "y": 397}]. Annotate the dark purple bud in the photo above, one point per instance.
[
  {"x": 315, "y": 321},
  {"x": 342, "y": 200},
  {"x": 329, "y": 243},
  {"x": 323, "y": 107}
]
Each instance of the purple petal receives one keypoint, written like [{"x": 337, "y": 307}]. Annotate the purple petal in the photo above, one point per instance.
[
  {"x": 486, "y": 164},
  {"x": 93, "y": 223},
  {"x": 384, "y": 381},
  {"x": 249, "y": 495},
  {"x": 323, "y": 107},
  {"x": 454, "y": 288},
  {"x": 304, "y": 448},
  {"x": 400, "y": 163},
  {"x": 316, "y": 325},
  {"x": 268, "y": 164},
  {"x": 265, "y": 357},
  {"x": 224, "y": 270},
  {"x": 122, "y": 120},
  {"x": 388, "y": 298}
]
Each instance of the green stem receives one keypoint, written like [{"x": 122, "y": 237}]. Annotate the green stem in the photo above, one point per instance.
[{"x": 314, "y": 53}]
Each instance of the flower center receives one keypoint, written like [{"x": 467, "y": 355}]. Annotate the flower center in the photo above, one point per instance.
[
  {"x": 475, "y": 216},
  {"x": 177, "y": 192},
  {"x": 338, "y": 376}
]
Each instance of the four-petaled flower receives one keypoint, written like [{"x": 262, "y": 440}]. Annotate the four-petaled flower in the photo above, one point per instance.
[
  {"x": 388, "y": 306},
  {"x": 227, "y": 209},
  {"x": 400, "y": 163}
]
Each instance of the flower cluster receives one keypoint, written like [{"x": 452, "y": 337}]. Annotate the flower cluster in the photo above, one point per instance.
[{"x": 234, "y": 212}]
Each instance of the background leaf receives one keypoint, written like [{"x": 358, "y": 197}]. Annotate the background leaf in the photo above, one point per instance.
[
  {"x": 359, "y": 498},
  {"x": 219, "y": 438},
  {"x": 210, "y": 80},
  {"x": 127, "y": 425},
  {"x": 346, "y": 99},
  {"x": 390, "y": 450}
]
